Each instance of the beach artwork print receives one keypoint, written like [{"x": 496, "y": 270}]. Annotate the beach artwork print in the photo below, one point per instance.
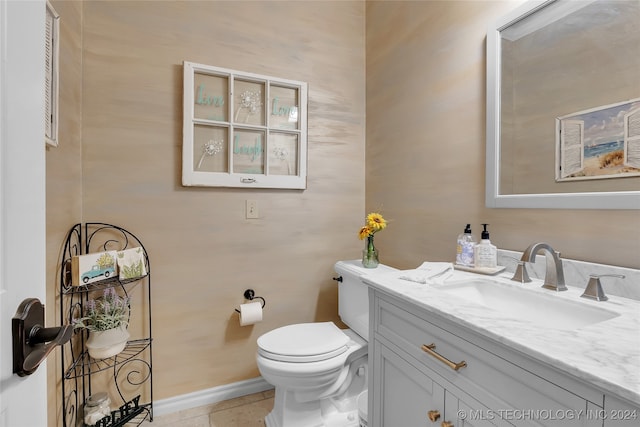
[{"x": 602, "y": 142}]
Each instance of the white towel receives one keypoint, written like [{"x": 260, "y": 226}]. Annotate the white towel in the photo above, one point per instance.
[{"x": 432, "y": 273}]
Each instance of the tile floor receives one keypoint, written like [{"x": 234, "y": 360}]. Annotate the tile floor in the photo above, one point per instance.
[{"x": 245, "y": 411}]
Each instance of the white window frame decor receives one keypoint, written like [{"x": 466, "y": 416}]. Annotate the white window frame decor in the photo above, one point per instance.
[
  {"x": 571, "y": 138},
  {"x": 243, "y": 130},
  {"x": 632, "y": 138},
  {"x": 52, "y": 30}
]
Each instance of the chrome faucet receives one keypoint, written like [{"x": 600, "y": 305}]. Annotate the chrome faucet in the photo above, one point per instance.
[
  {"x": 554, "y": 277},
  {"x": 520, "y": 275},
  {"x": 594, "y": 287}
]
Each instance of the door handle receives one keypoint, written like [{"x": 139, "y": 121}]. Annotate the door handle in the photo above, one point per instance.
[{"x": 32, "y": 342}]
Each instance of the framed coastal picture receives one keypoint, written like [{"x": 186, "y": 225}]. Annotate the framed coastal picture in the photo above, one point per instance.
[{"x": 599, "y": 143}]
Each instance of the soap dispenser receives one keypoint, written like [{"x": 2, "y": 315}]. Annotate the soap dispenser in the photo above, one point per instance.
[
  {"x": 465, "y": 248},
  {"x": 486, "y": 254}
]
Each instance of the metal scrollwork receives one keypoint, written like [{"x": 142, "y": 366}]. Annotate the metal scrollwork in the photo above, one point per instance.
[{"x": 131, "y": 369}]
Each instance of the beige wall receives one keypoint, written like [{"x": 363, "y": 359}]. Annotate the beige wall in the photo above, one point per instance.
[
  {"x": 424, "y": 161},
  {"x": 64, "y": 175},
  {"x": 203, "y": 252},
  {"x": 425, "y": 151}
]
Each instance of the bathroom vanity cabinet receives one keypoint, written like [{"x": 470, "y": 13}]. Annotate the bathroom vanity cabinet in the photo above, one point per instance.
[
  {"x": 414, "y": 382},
  {"x": 409, "y": 395},
  {"x": 126, "y": 377},
  {"x": 620, "y": 414}
]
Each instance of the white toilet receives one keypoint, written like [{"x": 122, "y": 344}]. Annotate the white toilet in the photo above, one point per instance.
[{"x": 319, "y": 370}]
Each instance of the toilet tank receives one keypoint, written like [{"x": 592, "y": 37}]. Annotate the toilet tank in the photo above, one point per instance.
[{"x": 353, "y": 294}]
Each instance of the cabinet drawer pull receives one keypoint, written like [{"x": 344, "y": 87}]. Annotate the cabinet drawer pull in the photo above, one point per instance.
[
  {"x": 429, "y": 349},
  {"x": 433, "y": 415}
]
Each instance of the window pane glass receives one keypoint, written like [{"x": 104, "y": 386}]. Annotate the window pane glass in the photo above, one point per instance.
[
  {"x": 283, "y": 154},
  {"x": 248, "y": 102},
  {"x": 248, "y": 151},
  {"x": 210, "y": 149},
  {"x": 210, "y": 97},
  {"x": 283, "y": 107}
]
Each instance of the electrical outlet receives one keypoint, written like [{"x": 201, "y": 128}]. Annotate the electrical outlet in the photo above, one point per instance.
[{"x": 251, "y": 210}]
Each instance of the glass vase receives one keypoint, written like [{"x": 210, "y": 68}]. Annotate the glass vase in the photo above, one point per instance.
[{"x": 370, "y": 254}]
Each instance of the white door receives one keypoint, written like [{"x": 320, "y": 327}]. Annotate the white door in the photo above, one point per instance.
[{"x": 23, "y": 401}]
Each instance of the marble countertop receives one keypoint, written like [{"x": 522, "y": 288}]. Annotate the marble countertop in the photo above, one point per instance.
[{"x": 605, "y": 354}]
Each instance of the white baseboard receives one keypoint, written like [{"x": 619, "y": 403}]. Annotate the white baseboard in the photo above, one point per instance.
[{"x": 210, "y": 396}]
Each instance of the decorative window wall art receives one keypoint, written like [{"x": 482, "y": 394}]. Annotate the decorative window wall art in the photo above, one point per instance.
[
  {"x": 602, "y": 142},
  {"x": 243, "y": 130}
]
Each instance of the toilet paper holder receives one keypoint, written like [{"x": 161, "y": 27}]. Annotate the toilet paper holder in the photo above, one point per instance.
[{"x": 251, "y": 295}]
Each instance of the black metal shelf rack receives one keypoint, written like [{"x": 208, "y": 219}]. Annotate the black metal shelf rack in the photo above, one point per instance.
[{"x": 132, "y": 373}]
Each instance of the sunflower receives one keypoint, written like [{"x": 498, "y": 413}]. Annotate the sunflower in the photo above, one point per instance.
[
  {"x": 365, "y": 232},
  {"x": 374, "y": 223}
]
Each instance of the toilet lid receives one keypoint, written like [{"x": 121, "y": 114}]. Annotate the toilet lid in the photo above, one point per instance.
[{"x": 303, "y": 342}]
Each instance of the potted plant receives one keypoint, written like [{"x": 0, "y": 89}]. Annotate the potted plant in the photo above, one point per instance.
[{"x": 106, "y": 318}]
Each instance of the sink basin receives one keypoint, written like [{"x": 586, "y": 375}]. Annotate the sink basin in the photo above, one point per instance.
[{"x": 545, "y": 310}]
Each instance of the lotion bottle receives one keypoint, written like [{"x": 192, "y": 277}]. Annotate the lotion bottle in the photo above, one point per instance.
[
  {"x": 465, "y": 248},
  {"x": 486, "y": 254}
]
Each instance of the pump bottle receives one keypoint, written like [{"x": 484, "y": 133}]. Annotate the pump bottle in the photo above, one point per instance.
[
  {"x": 465, "y": 248},
  {"x": 486, "y": 254}
]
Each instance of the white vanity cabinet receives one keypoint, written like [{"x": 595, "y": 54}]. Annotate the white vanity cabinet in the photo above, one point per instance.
[
  {"x": 620, "y": 414},
  {"x": 498, "y": 386},
  {"x": 407, "y": 395}
]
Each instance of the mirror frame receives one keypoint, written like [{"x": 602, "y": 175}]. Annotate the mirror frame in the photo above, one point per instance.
[{"x": 587, "y": 200}]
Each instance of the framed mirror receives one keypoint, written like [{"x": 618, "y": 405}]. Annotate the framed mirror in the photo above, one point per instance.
[{"x": 564, "y": 66}]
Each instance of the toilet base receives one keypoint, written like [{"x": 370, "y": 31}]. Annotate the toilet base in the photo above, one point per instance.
[
  {"x": 327, "y": 413},
  {"x": 337, "y": 420},
  {"x": 337, "y": 410}
]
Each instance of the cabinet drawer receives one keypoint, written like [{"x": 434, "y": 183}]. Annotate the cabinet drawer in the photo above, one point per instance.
[
  {"x": 524, "y": 398},
  {"x": 404, "y": 395}
]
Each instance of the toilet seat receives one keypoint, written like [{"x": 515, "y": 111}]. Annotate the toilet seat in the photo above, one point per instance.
[{"x": 303, "y": 343}]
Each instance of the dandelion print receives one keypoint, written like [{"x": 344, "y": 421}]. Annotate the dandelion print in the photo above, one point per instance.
[{"x": 210, "y": 148}]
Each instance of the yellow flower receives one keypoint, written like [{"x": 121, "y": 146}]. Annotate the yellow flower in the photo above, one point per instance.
[
  {"x": 376, "y": 222},
  {"x": 365, "y": 232}
]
